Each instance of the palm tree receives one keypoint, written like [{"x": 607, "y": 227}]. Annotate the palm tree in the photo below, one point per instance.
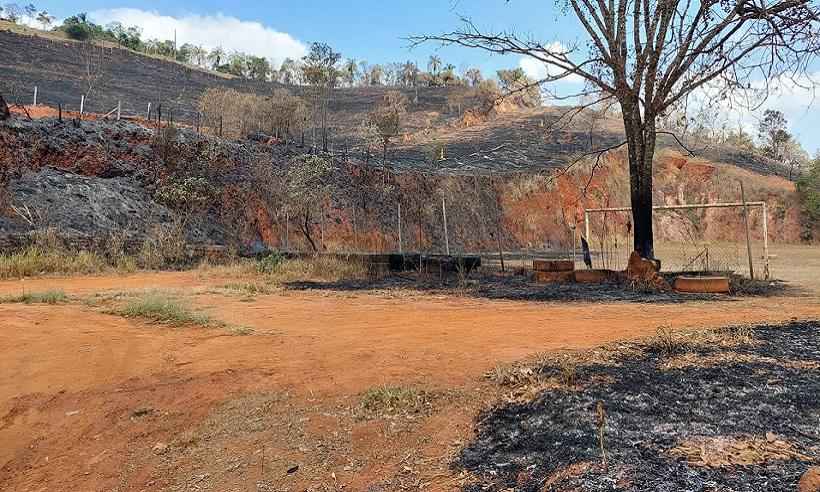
[
  {"x": 45, "y": 19},
  {"x": 216, "y": 56},
  {"x": 434, "y": 64},
  {"x": 350, "y": 71}
]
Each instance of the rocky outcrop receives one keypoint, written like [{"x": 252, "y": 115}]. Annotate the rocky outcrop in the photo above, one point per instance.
[{"x": 87, "y": 207}]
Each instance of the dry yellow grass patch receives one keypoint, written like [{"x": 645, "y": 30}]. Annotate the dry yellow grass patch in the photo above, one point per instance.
[
  {"x": 726, "y": 451},
  {"x": 722, "y": 358}
]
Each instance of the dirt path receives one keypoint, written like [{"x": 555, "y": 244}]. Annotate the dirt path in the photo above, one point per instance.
[{"x": 85, "y": 397}]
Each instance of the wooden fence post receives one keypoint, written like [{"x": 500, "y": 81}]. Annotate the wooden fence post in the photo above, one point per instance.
[
  {"x": 748, "y": 232},
  {"x": 446, "y": 234},
  {"x": 401, "y": 247}
]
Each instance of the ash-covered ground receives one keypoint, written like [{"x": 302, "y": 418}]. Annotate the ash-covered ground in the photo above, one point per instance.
[{"x": 763, "y": 385}]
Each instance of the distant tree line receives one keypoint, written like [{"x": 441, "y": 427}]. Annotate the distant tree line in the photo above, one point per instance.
[{"x": 348, "y": 72}]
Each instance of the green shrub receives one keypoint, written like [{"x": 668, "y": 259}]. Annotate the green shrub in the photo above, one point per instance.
[
  {"x": 808, "y": 190},
  {"x": 270, "y": 263}
]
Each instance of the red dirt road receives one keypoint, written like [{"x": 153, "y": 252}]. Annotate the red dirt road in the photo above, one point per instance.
[{"x": 73, "y": 380}]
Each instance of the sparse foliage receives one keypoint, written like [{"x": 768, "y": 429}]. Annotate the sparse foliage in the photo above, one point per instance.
[{"x": 648, "y": 57}]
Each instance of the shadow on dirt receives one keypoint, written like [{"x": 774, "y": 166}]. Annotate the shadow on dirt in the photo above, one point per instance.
[
  {"x": 520, "y": 288},
  {"x": 650, "y": 409}
]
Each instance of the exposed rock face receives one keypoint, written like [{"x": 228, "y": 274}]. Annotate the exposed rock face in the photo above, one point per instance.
[{"x": 84, "y": 207}]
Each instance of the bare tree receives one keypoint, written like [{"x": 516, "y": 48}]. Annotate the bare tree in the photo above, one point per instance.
[
  {"x": 322, "y": 74},
  {"x": 94, "y": 63},
  {"x": 649, "y": 55},
  {"x": 307, "y": 184},
  {"x": 387, "y": 119}
]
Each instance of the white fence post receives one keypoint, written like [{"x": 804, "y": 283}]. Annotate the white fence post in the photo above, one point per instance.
[
  {"x": 35, "y": 96},
  {"x": 766, "y": 272},
  {"x": 119, "y": 109},
  {"x": 148, "y": 114},
  {"x": 82, "y": 104}
]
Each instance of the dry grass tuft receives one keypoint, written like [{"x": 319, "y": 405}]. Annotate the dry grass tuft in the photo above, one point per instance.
[
  {"x": 396, "y": 400},
  {"x": 318, "y": 269},
  {"x": 247, "y": 288},
  {"x": 35, "y": 260},
  {"x": 46, "y": 297},
  {"x": 159, "y": 308},
  {"x": 728, "y": 451},
  {"x": 235, "y": 269}
]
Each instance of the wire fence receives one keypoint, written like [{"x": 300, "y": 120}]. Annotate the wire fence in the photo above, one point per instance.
[{"x": 465, "y": 216}]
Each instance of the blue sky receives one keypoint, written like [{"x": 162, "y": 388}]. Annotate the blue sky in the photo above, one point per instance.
[
  {"x": 373, "y": 30},
  {"x": 363, "y": 29}
]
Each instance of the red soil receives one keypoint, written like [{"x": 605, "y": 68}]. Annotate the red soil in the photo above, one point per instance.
[{"x": 72, "y": 378}]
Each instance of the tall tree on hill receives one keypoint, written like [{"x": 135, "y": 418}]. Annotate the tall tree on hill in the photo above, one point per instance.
[
  {"x": 320, "y": 71},
  {"x": 474, "y": 76},
  {"x": 216, "y": 56},
  {"x": 350, "y": 71},
  {"x": 647, "y": 56},
  {"x": 94, "y": 63},
  {"x": 45, "y": 19},
  {"x": 772, "y": 130},
  {"x": 434, "y": 65},
  {"x": 410, "y": 76},
  {"x": 387, "y": 119}
]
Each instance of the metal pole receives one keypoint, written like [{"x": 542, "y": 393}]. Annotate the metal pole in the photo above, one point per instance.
[
  {"x": 446, "y": 235},
  {"x": 35, "y": 96},
  {"x": 82, "y": 105},
  {"x": 148, "y": 114},
  {"x": 766, "y": 272},
  {"x": 401, "y": 246},
  {"x": 574, "y": 244},
  {"x": 748, "y": 232}
]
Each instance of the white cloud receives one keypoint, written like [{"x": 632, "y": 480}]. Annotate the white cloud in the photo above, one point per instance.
[
  {"x": 797, "y": 99},
  {"x": 538, "y": 70},
  {"x": 208, "y": 31}
]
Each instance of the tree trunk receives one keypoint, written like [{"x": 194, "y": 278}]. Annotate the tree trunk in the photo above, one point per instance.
[
  {"x": 306, "y": 230},
  {"x": 641, "y": 138},
  {"x": 4, "y": 109}
]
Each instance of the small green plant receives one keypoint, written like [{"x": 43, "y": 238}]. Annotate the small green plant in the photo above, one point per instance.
[
  {"x": 158, "y": 308},
  {"x": 270, "y": 263},
  {"x": 46, "y": 297}
]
